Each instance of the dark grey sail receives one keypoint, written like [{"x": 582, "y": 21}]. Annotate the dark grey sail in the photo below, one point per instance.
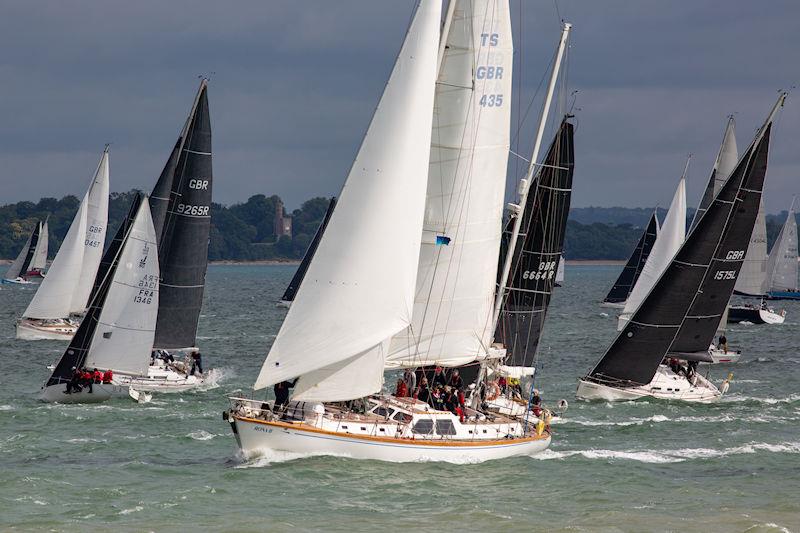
[
  {"x": 109, "y": 256},
  {"x": 159, "y": 198},
  {"x": 183, "y": 248},
  {"x": 633, "y": 268},
  {"x": 25, "y": 256},
  {"x": 300, "y": 273},
  {"x": 682, "y": 311},
  {"x": 536, "y": 256},
  {"x": 78, "y": 349}
]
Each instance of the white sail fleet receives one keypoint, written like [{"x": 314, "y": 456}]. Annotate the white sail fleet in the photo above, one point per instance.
[{"x": 419, "y": 268}]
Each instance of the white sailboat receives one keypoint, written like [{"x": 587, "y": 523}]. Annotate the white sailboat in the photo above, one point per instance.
[
  {"x": 670, "y": 238},
  {"x": 39, "y": 262},
  {"x": 679, "y": 317},
  {"x": 31, "y": 258},
  {"x": 118, "y": 330},
  {"x": 782, "y": 263},
  {"x": 56, "y": 308},
  {"x": 359, "y": 291}
]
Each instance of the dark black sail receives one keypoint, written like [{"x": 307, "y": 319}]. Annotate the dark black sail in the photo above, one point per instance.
[
  {"x": 300, "y": 273},
  {"x": 25, "y": 256},
  {"x": 538, "y": 252},
  {"x": 682, "y": 311},
  {"x": 110, "y": 255},
  {"x": 78, "y": 348},
  {"x": 183, "y": 247},
  {"x": 159, "y": 198},
  {"x": 633, "y": 268}
]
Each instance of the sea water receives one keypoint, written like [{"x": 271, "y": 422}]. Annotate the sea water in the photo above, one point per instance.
[{"x": 172, "y": 464}]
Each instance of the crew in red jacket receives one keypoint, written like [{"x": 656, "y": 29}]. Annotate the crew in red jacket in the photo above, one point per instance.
[{"x": 108, "y": 375}]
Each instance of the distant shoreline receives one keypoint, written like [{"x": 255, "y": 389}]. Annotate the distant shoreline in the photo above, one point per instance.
[
  {"x": 598, "y": 262},
  {"x": 576, "y": 262}
]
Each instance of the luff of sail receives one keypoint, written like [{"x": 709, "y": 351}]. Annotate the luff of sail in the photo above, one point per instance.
[
  {"x": 40, "y": 254},
  {"x": 709, "y": 261},
  {"x": 670, "y": 239},
  {"x": 138, "y": 259},
  {"x": 183, "y": 248},
  {"x": 359, "y": 288},
  {"x": 464, "y": 201},
  {"x": 159, "y": 198},
  {"x": 726, "y": 160},
  {"x": 297, "y": 279},
  {"x": 782, "y": 263},
  {"x": 536, "y": 256},
  {"x": 633, "y": 268},
  {"x": 18, "y": 266}
]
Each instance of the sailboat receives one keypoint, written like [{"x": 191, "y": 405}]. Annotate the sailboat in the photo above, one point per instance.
[
  {"x": 117, "y": 332},
  {"x": 782, "y": 262},
  {"x": 679, "y": 316},
  {"x": 352, "y": 315},
  {"x": 560, "y": 271},
  {"x": 670, "y": 238},
  {"x": 181, "y": 211},
  {"x": 300, "y": 273},
  {"x": 62, "y": 298},
  {"x": 31, "y": 259},
  {"x": 627, "y": 279}
]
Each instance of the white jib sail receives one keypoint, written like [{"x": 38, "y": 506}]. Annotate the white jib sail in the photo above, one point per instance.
[
  {"x": 466, "y": 183},
  {"x": 53, "y": 299},
  {"x": 126, "y": 327},
  {"x": 359, "y": 288},
  {"x": 782, "y": 263},
  {"x": 753, "y": 276},
  {"x": 96, "y": 222},
  {"x": 15, "y": 270},
  {"x": 669, "y": 241},
  {"x": 40, "y": 255}
]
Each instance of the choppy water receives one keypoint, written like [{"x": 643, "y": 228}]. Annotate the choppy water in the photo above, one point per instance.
[{"x": 171, "y": 465}]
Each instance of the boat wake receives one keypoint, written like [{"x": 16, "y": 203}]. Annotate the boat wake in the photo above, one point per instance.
[
  {"x": 673, "y": 456},
  {"x": 214, "y": 377},
  {"x": 268, "y": 457}
]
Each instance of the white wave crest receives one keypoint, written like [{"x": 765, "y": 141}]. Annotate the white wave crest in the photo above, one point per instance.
[{"x": 673, "y": 456}]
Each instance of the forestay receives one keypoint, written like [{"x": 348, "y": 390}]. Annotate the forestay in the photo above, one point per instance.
[
  {"x": 633, "y": 268},
  {"x": 782, "y": 264},
  {"x": 683, "y": 309},
  {"x": 465, "y": 190},
  {"x": 359, "y": 288}
]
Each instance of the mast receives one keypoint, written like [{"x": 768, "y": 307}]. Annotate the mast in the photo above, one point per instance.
[
  {"x": 519, "y": 208},
  {"x": 448, "y": 20}
]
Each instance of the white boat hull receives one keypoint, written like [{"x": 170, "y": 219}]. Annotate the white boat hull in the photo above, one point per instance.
[
  {"x": 32, "y": 331},
  {"x": 755, "y": 315},
  {"x": 256, "y": 437},
  {"x": 160, "y": 379},
  {"x": 666, "y": 385},
  {"x": 100, "y": 393},
  {"x": 722, "y": 356}
]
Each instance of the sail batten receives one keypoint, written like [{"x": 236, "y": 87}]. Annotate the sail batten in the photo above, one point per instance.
[{"x": 359, "y": 288}]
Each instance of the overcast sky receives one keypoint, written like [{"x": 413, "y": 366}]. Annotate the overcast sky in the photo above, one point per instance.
[{"x": 294, "y": 85}]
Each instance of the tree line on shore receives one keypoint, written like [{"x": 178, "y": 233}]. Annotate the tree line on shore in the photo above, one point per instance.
[{"x": 245, "y": 231}]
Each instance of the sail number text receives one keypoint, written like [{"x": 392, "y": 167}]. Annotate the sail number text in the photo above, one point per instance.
[
  {"x": 735, "y": 255},
  {"x": 724, "y": 274},
  {"x": 199, "y": 210},
  {"x": 546, "y": 271},
  {"x": 92, "y": 232}
]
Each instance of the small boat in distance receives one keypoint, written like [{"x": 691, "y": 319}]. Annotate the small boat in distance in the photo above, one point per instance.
[
  {"x": 782, "y": 262},
  {"x": 622, "y": 288},
  {"x": 31, "y": 260}
]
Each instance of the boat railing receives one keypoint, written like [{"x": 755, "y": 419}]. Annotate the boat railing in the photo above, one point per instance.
[{"x": 612, "y": 381}]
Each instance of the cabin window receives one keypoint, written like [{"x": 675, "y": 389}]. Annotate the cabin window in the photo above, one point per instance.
[
  {"x": 344, "y": 427},
  {"x": 445, "y": 427},
  {"x": 424, "y": 426},
  {"x": 400, "y": 416},
  {"x": 383, "y": 411},
  {"x": 656, "y": 388},
  {"x": 363, "y": 428}
]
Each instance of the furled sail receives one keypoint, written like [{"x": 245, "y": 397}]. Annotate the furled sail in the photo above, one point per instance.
[
  {"x": 39, "y": 260},
  {"x": 683, "y": 309},
  {"x": 96, "y": 200},
  {"x": 752, "y": 279},
  {"x": 726, "y": 160},
  {"x": 537, "y": 254},
  {"x": 117, "y": 331},
  {"x": 20, "y": 264},
  {"x": 359, "y": 288},
  {"x": 782, "y": 264},
  {"x": 470, "y": 138},
  {"x": 183, "y": 247},
  {"x": 297, "y": 279},
  {"x": 670, "y": 238},
  {"x": 633, "y": 268}
]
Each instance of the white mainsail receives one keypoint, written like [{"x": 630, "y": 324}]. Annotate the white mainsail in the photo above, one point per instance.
[
  {"x": 358, "y": 291},
  {"x": 96, "y": 221},
  {"x": 15, "y": 270},
  {"x": 752, "y": 278},
  {"x": 63, "y": 291},
  {"x": 560, "y": 271},
  {"x": 123, "y": 337},
  {"x": 40, "y": 254},
  {"x": 782, "y": 263},
  {"x": 53, "y": 299},
  {"x": 466, "y": 183},
  {"x": 669, "y": 241}
]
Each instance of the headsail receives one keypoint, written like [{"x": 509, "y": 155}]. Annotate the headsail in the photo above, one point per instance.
[
  {"x": 183, "y": 248},
  {"x": 726, "y": 160},
  {"x": 682, "y": 311},
  {"x": 20, "y": 264},
  {"x": 297, "y": 279},
  {"x": 40, "y": 254},
  {"x": 670, "y": 238},
  {"x": 359, "y": 288},
  {"x": 538, "y": 251},
  {"x": 633, "y": 268},
  {"x": 753, "y": 277},
  {"x": 452, "y": 318},
  {"x": 782, "y": 264},
  {"x": 117, "y": 331}
]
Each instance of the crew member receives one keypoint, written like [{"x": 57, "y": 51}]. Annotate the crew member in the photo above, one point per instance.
[
  {"x": 723, "y": 342},
  {"x": 423, "y": 393},
  {"x": 438, "y": 378},
  {"x": 455, "y": 380},
  {"x": 401, "y": 391},
  {"x": 197, "y": 363},
  {"x": 97, "y": 376},
  {"x": 108, "y": 376},
  {"x": 74, "y": 384},
  {"x": 282, "y": 392},
  {"x": 410, "y": 379},
  {"x": 86, "y": 379}
]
